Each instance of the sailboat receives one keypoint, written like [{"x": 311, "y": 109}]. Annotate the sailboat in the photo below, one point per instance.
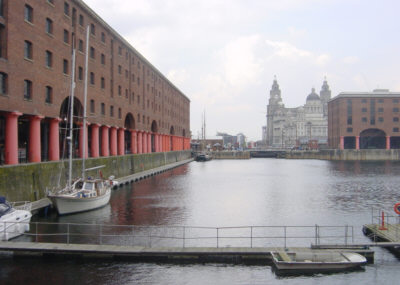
[{"x": 84, "y": 193}]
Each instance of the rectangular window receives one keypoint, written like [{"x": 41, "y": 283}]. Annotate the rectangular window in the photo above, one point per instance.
[
  {"x": 119, "y": 90},
  {"x": 80, "y": 45},
  {"x": 103, "y": 109},
  {"x": 49, "y": 26},
  {"x": 92, "y": 52},
  {"x": 3, "y": 42},
  {"x": 49, "y": 95},
  {"x": 3, "y": 83},
  {"x": 28, "y": 50},
  {"x": 119, "y": 69},
  {"x": 103, "y": 37},
  {"x": 65, "y": 66},
  {"x": 119, "y": 50},
  {"x": 66, "y": 8},
  {"x": 395, "y": 110},
  {"x": 119, "y": 113},
  {"x": 395, "y": 119},
  {"x": 66, "y": 37},
  {"x": 92, "y": 78},
  {"x": 111, "y": 111},
  {"x": 380, "y": 110},
  {"x": 92, "y": 106},
  {"x": 364, "y": 119},
  {"x": 364, "y": 101},
  {"x": 380, "y": 119},
  {"x": 103, "y": 59},
  {"x": 80, "y": 73},
  {"x": 27, "y": 89},
  {"x": 81, "y": 20},
  {"x": 126, "y": 93},
  {"x": 380, "y": 100},
  {"x": 93, "y": 29},
  {"x": 49, "y": 59},
  {"x": 1, "y": 8},
  {"x": 395, "y": 130},
  {"x": 396, "y": 101},
  {"x": 28, "y": 14},
  {"x": 103, "y": 83}
]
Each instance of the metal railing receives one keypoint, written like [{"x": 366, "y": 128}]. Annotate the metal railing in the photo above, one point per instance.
[
  {"x": 188, "y": 236},
  {"x": 384, "y": 220}
]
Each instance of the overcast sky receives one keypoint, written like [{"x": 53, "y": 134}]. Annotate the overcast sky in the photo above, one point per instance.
[{"x": 223, "y": 54}]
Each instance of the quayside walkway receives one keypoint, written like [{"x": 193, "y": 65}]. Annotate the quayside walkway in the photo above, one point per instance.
[{"x": 246, "y": 244}]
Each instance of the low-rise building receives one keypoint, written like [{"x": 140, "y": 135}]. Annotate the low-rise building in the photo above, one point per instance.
[{"x": 364, "y": 120}]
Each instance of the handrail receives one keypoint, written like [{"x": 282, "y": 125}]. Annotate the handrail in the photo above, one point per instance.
[{"x": 184, "y": 236}]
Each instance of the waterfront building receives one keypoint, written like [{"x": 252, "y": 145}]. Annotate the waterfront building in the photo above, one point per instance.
[
  {"x": 364, "y": 120},
  {"x": 132, "y": 107},
  {"x": 304, "y": 126}
]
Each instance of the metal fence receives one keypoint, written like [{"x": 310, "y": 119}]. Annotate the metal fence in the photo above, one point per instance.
[{"x": 187, "y": 236}]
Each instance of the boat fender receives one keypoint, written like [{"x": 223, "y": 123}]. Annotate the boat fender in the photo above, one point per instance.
[{"x": 397, "y": 208}]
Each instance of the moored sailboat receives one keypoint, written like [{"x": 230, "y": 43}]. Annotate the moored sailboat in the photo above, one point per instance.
[{"x": 84, "y": 193}]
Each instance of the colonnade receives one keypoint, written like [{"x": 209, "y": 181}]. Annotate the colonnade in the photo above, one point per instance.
[
  {"x": 357, "y": 142},
  {"x": 104, "y": 141}
]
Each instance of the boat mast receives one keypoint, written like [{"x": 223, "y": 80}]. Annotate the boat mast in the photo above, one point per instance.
[
  {"x": 71, "y": 117},
  {"x": 84, "y": 139}
]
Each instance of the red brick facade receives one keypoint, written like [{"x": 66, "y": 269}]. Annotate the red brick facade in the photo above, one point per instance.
[
  {"x": 134, "y": 94},
  {"x": 368, "y": 120}
]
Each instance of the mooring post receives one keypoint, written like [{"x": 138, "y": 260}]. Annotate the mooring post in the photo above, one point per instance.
[
  {"x": 36, "y": 236},
  {"x": 101, "y": 234},
  {"x": 184, "y": 237},
  {"x": 284, "y": 230},
  {"x": 251, "y": 237},
  {"x": 382, "y": 227},
  {"x": 68, "y": 233},
  {"x": 217, "y": 237}
]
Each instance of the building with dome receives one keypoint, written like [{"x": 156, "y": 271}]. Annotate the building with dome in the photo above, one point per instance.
[{"x": 304, "y": 127}]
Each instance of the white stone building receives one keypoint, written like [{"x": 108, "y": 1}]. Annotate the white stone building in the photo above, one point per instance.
[{"x": 304, "y": 126}]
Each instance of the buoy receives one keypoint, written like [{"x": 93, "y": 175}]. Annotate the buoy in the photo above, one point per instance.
[{"x": 397, "y": 208}]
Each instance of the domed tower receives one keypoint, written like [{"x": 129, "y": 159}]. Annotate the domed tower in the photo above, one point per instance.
[
  {"x": 313, "y": 96},
  {"x": 325, "y": 95},
  {"x": 274, "y": 108}
]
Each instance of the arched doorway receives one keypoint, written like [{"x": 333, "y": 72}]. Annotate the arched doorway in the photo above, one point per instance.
[
  {"x": 129, "y": 125},
  {"x": 154, "y": 130},
  {"x": 65, "y": 126},
  {"x": 172, "y": 133},
  {"x": 372, "y": 139}
]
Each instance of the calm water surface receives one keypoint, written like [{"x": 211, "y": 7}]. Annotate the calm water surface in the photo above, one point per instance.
[{"x": 221, "y": 193}]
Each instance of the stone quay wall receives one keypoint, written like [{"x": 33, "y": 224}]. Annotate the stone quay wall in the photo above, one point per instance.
[
  {"x": 230, "y": 155},
  {"x": 346, "y": 154},
  {"x": 28, "y": 182}
]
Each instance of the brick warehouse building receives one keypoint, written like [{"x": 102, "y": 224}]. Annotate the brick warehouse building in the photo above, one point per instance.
[
  {"x": 364, "y": 120},
  {"x": 131, "y": 106}
]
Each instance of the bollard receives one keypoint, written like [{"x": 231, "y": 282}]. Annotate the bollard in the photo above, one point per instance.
[{"x": 382, "y": 227}]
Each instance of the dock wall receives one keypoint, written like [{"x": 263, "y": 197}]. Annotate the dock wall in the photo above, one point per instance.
[
  {"x": 29, "y": 181},
  {"x": 231, "y": 155},
  {"x": 347, "y": 154}
]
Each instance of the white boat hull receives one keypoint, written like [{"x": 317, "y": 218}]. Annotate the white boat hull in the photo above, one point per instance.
[
  {"x": 69, "y": 205},
  {"x": 14, "y": 224},
  {"x": 321, "y": 262}
]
